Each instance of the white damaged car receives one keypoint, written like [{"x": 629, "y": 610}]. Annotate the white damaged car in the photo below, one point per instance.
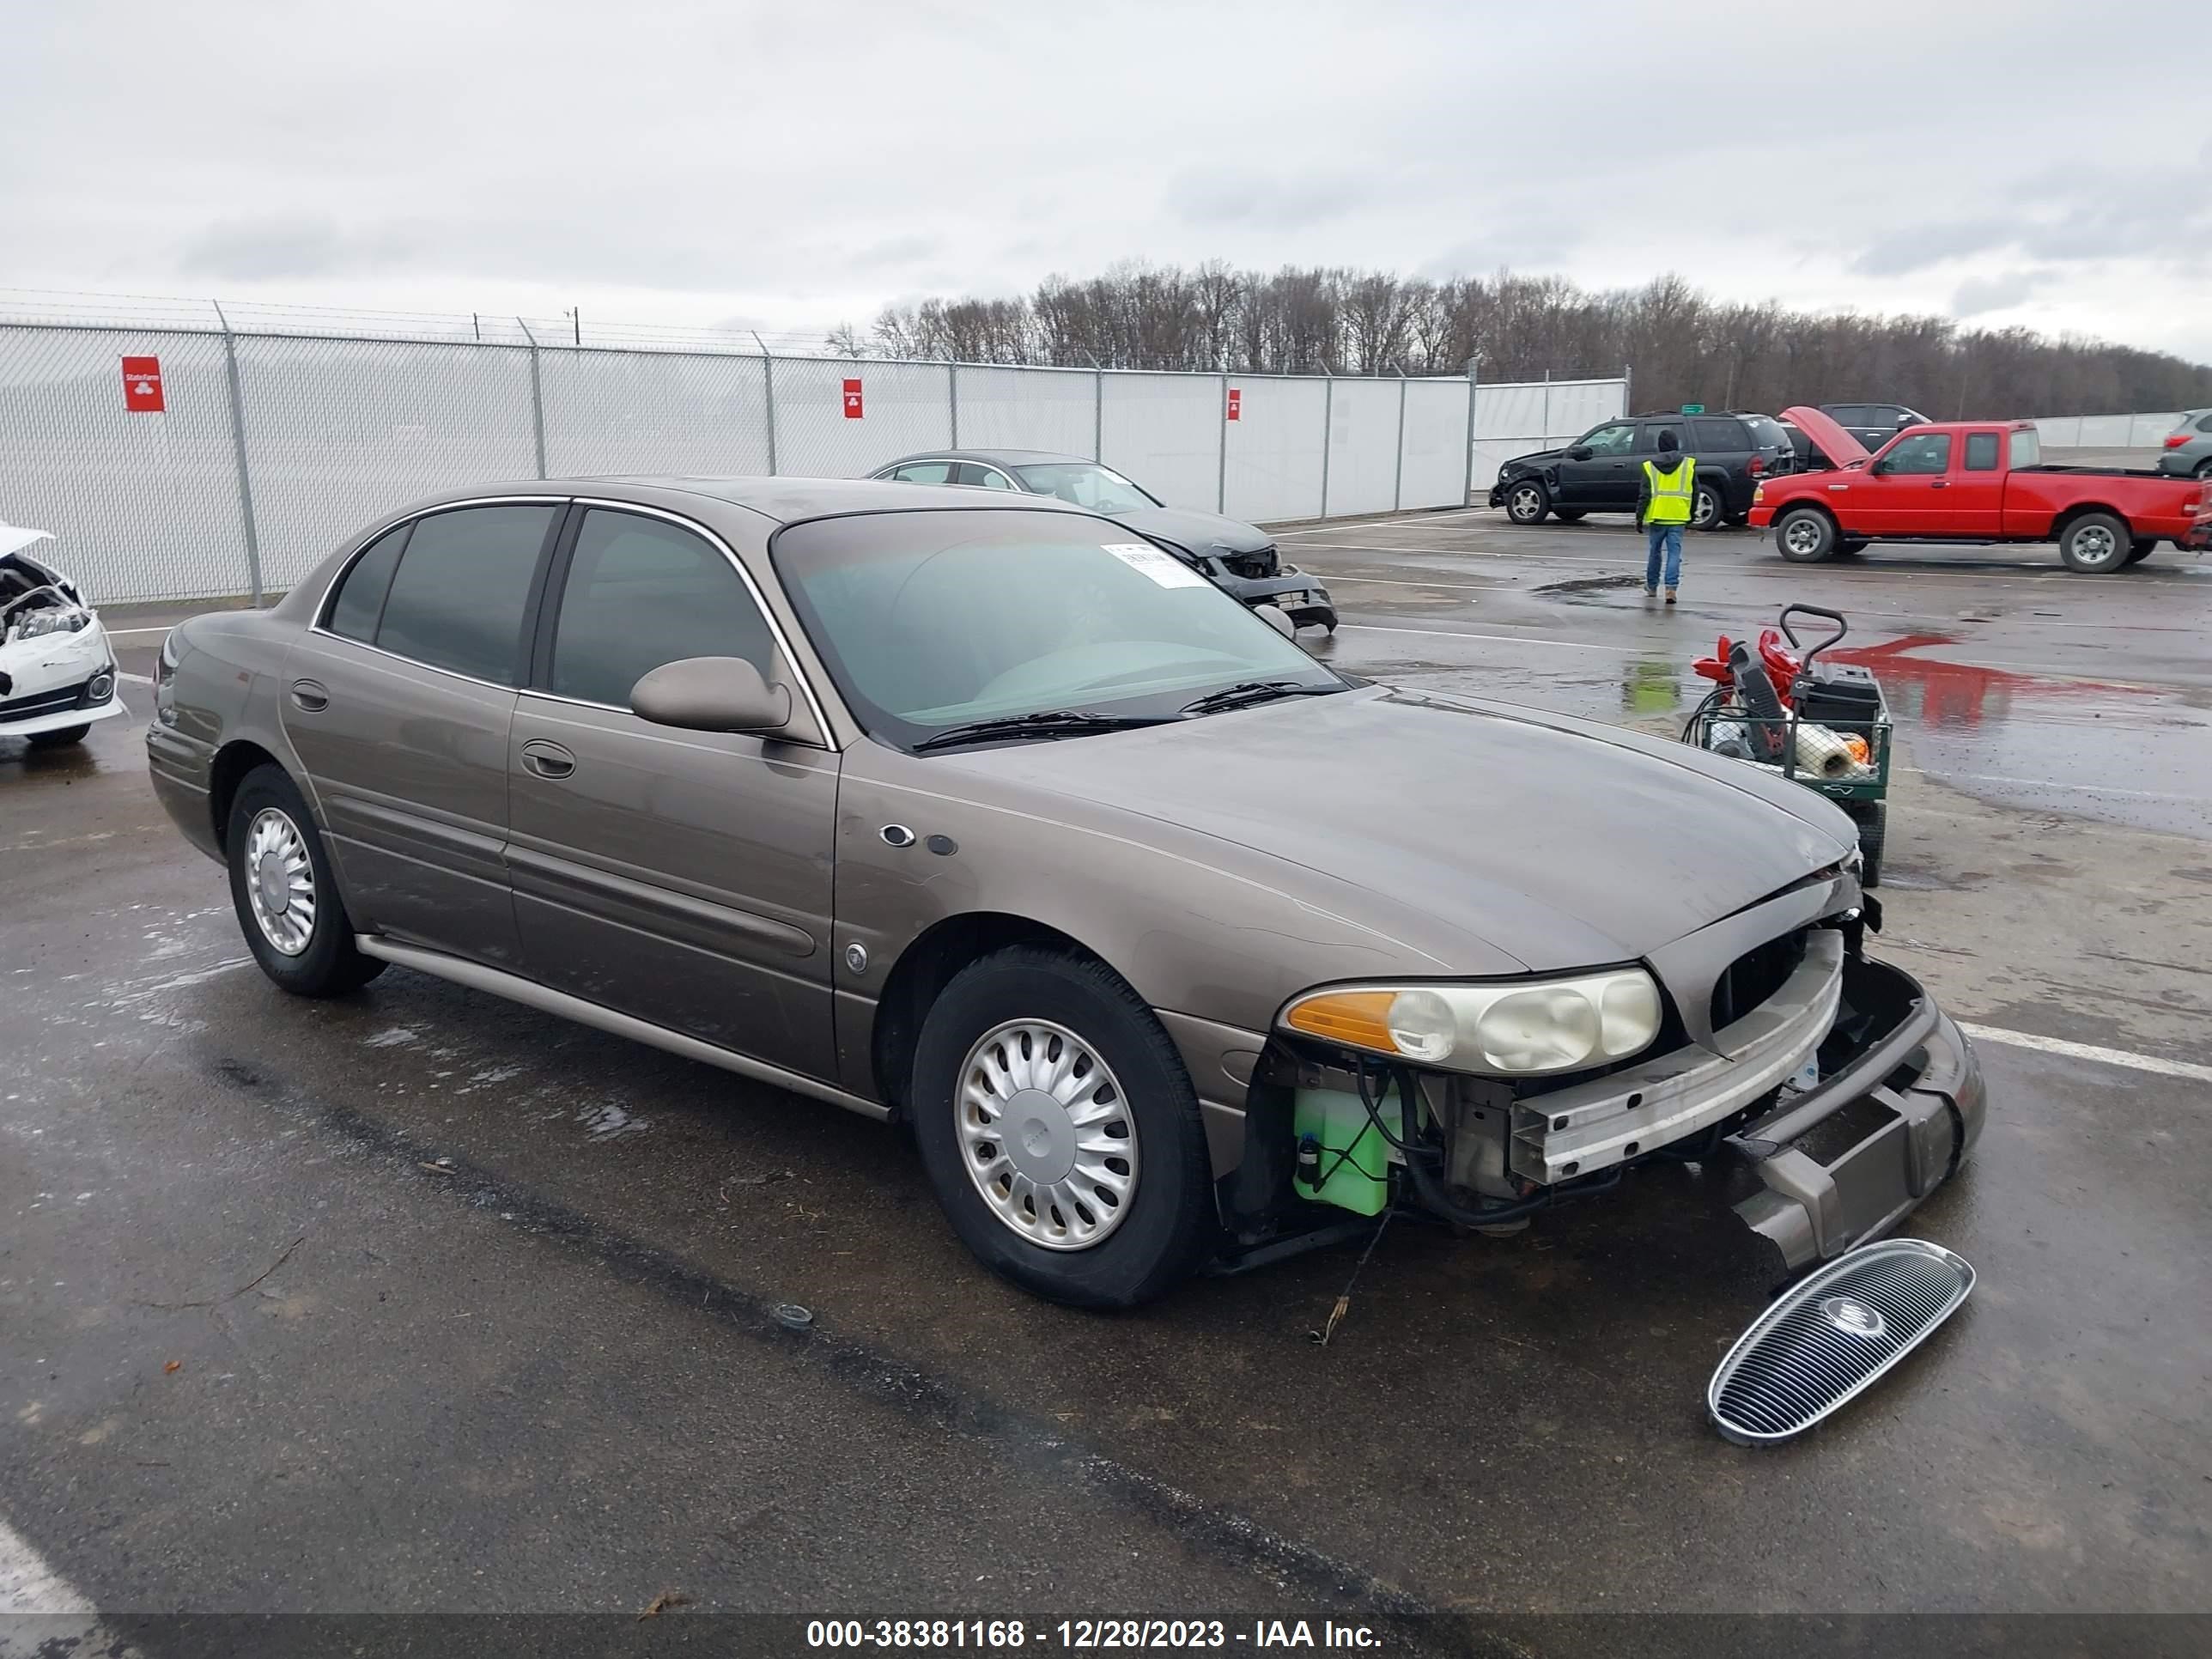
[{"x": 56, "y": 670}]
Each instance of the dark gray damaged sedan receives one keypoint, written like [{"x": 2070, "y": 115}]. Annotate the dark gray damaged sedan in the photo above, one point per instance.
[{"x": 979, "y": 813}]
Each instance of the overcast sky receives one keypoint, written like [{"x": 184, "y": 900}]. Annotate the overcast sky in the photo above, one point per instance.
[{"x": 799, "y": 164}]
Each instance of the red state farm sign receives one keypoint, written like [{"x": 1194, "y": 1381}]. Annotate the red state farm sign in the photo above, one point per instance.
[
  {"x": 853, "y": 400},
  {"x": 142, "y": 386},
  {"x": 1235, "y": 404}
]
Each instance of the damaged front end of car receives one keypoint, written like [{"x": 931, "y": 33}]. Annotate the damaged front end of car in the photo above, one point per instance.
[
  {"x": 1827, "y": 1084},
  {"x": 56, "y": 671}
]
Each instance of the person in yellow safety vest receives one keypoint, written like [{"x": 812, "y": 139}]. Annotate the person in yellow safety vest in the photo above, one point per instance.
[{"x": 1663, "y": 509}]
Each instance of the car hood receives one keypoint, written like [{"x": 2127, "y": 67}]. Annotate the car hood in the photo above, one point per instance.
[
  {"x": 1832, "y": 441},
  {"x": 1561, "y": 843},
  {"x": 1197, "y": 533},
  {"x": 1536, "y": 458}
]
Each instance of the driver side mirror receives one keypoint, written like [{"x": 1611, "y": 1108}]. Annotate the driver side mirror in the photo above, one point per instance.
[
  {"x": 710, "y": 694},
  {"x": 1579, "y": 453}
]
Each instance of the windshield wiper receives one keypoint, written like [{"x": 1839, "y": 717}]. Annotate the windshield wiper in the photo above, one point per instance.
[
  {"x": 1245, "y": 692},
  {"x": 1050, "y": 723}
]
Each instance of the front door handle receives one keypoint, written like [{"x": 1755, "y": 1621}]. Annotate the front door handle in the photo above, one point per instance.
[
  {"x": 1940, "y": 483},
  {"x": 547, "y": 760},
  {"x": 310, "y": 696}
]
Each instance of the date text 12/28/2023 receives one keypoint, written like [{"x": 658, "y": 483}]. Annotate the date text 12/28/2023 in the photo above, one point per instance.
[{"x": 1013, "y": 1635}]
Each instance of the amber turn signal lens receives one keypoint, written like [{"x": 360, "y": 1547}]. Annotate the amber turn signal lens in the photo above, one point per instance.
[{"x": 1359, "y": 1019}]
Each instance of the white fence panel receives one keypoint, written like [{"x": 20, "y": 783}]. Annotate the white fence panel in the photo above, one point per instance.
[
  {"x": 1435, "y": 462},
  {"x": 1275, "y": 446},
  {"x": 635, "y": 411},
  {"x": 1165, "y": 431},
  {"x": 1363, "y": 446},
  {"x": 903, "y": 407},
  {"x": 1030, "y": 408},
  {"x": 141, "y": 506},
  {"x": 1513, "y": 418},
  {"x": 340, "y": 432}
]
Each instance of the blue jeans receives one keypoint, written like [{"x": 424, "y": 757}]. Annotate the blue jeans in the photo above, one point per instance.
[{"x": 1669, "y": 537}]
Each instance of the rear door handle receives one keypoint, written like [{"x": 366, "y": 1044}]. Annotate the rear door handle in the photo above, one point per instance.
[
  {"x": 547, "y": 760},
  {"x": 310, "y": 695}
]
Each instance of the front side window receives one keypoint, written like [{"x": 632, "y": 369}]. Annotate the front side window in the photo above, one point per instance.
[
  {"x": 1981, "y": 452},
  {"x": 1926, "y": 451},
  {"x": 933, "y": 621},
  {"x": 1086, "y": 484},
  {"x": 641, "y": 592},
  {"x": 457, "y": 598},
  {"x": 1611, "y": 439},
  {"x": 360, "y": 599},
  {"x": 2027, "y": 447},
  {"x": 982, "y": 477}
]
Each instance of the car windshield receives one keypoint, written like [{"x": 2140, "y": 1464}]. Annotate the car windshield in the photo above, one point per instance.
[
  {"x": 1085, "y": 484},
  {"x": 929, "y": 621}
]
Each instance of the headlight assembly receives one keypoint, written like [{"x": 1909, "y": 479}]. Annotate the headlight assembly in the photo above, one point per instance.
[{"x": 1527, "y": 1029}]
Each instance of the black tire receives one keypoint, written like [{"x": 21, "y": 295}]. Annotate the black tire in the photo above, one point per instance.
[
  {"x": 1526, "y": 500},
  {"x": 1568, "y": 514},
  {"x": 60, "y": 739},
  {"x": 327, "y": 964},
  {"x": 1707, "y": 510},
  {"x": 1170, "y": 1225},
  {"x": 1805, "y": 535},
  {"x": 1873, "y": 819},
  {"x": 2204, "y": 469},
  {"x": 2143, "y": 549},
  {"x": 1851, "y": 546},
  {"x": 2095, "y": 544}
]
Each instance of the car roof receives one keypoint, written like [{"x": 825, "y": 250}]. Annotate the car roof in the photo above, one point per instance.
[
  {"x": 780, "y": 499},
  {"x": 990, "y": 457}
]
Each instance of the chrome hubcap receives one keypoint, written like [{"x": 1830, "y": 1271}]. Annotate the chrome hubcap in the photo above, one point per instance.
[
  {"x": 280, "y": 881},
  {"x": 2095, "y": 544},
  {"x": 1046, "y": 1134},
  {"x": 1801, "y": 537}
]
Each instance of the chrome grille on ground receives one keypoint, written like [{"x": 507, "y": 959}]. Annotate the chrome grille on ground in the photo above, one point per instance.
[{"x": 1832, "y": 1335}]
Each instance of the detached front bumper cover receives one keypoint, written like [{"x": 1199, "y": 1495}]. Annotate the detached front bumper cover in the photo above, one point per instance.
[{"x": 1846, "y": 1160}]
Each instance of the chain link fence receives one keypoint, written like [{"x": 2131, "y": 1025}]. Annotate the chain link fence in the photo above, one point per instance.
[{"x": 241, "y": 456}]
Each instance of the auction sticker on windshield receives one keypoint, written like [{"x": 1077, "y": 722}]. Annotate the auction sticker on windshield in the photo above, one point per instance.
[{"x": 1164, "y": 568}]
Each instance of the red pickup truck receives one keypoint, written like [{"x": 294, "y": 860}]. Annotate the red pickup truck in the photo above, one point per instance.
[{"x": 1974, "y": 481}]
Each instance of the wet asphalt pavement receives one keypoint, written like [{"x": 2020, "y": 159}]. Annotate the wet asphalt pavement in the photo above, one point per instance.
[{"x": 418, "y": 1300}]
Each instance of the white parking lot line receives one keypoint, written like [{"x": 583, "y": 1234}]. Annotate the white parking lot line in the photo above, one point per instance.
[
  {"x": 2043, "y": 1045},
  {"x": 137, "y": 633}
]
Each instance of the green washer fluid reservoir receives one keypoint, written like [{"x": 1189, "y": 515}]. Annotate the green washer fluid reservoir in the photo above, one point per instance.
[{"x": 1354, "y": 1170}]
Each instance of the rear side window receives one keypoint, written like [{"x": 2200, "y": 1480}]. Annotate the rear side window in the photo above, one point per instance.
[
  {"x": 1718, "y": 437},
  {"x": 2026, "y": 446},
  {"x": 1848, "y": 414},
  {"x": 458, "y": 599},
  {"x": 643, "y": 591},
  {"x": 1929, "y": 452},
  {"x": 360, "y": 599},
  {"x": 925, "y": 472},
  {"x": 1981, "y": 452},
  {"x": 2205, "y": 425}
]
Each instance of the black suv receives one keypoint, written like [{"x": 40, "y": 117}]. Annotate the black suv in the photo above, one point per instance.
[
  {"x": 1873, "y": 424},
  {"x": 1602, "y": 471}
]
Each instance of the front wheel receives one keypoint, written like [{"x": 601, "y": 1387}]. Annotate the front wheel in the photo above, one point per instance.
[
  {"x": 1805, "y": 535},
  {"x": 1526, "y": 500},
  {"x": 1568, "y": 514},
  {"x": 2094, "y": 543},
  {"x": 280, "y": 885},
  {"x": 1061, "y": 1131}
]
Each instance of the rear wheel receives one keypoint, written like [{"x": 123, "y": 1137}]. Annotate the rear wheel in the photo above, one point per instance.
[
  {"x": 280, "y": 884},
  {"x": 61, "y": 740},
  {"x": 1526, "y": 500},
  {"x": 2094, "y": 543},
  {"x": 1805, "y": 535},
  {"x": 1061, "y": 1131},
  {"x": 1706, "y": 508},
  {"x": 1847, "y": 546},
  {"x": 2141, "y": 549}
]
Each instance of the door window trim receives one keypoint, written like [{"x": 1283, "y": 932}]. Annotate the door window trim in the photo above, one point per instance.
[{"x": 548, "y": 616}]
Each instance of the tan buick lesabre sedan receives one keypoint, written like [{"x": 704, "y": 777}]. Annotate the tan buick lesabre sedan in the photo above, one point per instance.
[{"x": 987, "y": 816}]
